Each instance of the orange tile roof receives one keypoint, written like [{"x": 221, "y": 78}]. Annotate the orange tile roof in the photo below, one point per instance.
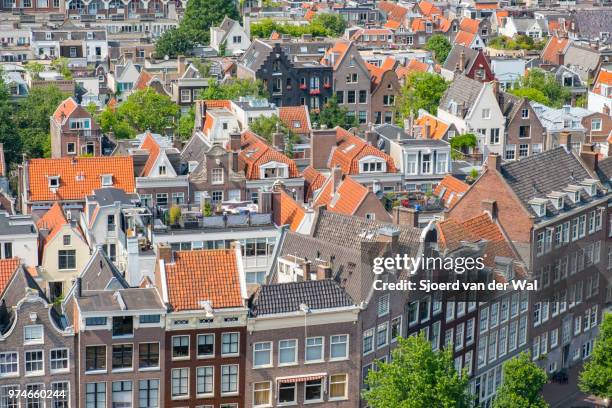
[
  {"x": 143, "y": 80},
  {"x": 428, "y": 9},
  {"x": 437, "y": 128},
  {"x": 275, "y": 35},
  {"x": 314, "y": 180},
  {"x": 309, "y": 15},
  {"x": 7, "y": 269},
  {"x": 603, "y": 77},
  {"x": 470, "y": 25},
  {"x": 53, "y": 220},
  {"x": 291, "y": 213},
  {"x": 338, "y": 51},
  {"x": 444, "y": 24},
  {"x": 393, "y": 11},
  {"x": 556, "y": 45},
  {"x": 453, "y": 189},
  {"x": 393, "y": 25},
  {"x": 499, "y": 14},
  {"x": 464, "y": 38},
  {"x": 218, "y": 103},
  {"x": 112, "y": 104},
  {"x": 64, "y": 109},
  {"x": 345, "y": 200},
  {"x": 418, "y": 24},
  {"x": 204, "y": 275},
  {"x": 489, "y": 6},
  {"x": 154, "y": 149},
  {"x": 255, "y": 152},
  {"x": 78, "y": 176},
  {"x": 350, "y": 149},
  {"x": 378, "y": 72},
  {"x": 415, "y": 65},
  {"x": 291, "y": 115}
]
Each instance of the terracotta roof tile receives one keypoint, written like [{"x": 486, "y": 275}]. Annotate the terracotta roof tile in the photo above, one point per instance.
[
  {"x": 393, "y": 25},
  {"x": 7, "y": 269},
  {"x": 470, "y": 25},
  {"x": 218, "y": 103},
  {"x": 464, "y": 38},
  {"x": 393, "y": 11},
  {"x": 335, "y": 54},
  {"x": 313, "y": 179},
  {"x": 256, "y": 152},
  {"x": 152, "y": 146},
  {"x": 309, "y": 15},
  {"x": 437, "y": 128},
  {"x": 444, "y": 24},
  {"x": 556, "y": 45},
  {"x": 429, "y": 9},
  {"x": 78, "y": 176},
  {"x": 295, "y": 115},
  {"x": 350, "y": 149},
  {"x": 450, "y": 189},
  {"x": 378, "y": 72},
  {"x": 345, "y": 200},
  {"x": 204, "y": 275},
  {"x": 64, "y": 109},
  {"x": 415, "y": 65},
  {"x": 291, "y": 212},
  {"x": 486, "y": 6},
  {"x": 143, "y": 80},
  {"x": 112, "y": 104},
  {"x": 52, "y": 220},
  {"x": 604, "y": 77}
]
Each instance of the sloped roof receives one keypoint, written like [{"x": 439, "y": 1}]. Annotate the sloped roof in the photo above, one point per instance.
[
  {"x": 206, "y": 275},
  {"x": 53, "y": 220},
  {"x": 459, "y": 51},
  {"x": 287, "y": 297},
  {"x": 256, "y": 152},
  {"x": 143, "y": 80},
  {"x": 469, "y": 25},
  {"x": 464, "y": 38},
  {"x": 394, "y": 11},
  {"x": 555, "y": 45},
  {"x": 149, "y": 143},
  {"x": 65, "y": 109},
  {"x": 462, "y": 90},
  {"x": 291, "y": 213},
  {"x": 313, "y": 179},
  {"x": 294, "y": 115},
  {"x": 437, "y": 127},
  {"x": 428, "y": 9},
  {"x": 377, "y": 72},
  {"x": 78, "y": 176},
  {"x": 449, "y": 190},
  {"x": 346, "y": 199},
  {"x": 350, "y": 149},
  {"x": 7, "y": 269}
]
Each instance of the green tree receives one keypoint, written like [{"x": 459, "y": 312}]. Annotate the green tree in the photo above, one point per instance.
[
  {"x": 34, "y": 68},
  {"x": 532, "y": 94},
  {"x": 334, "y": 23},
  {"x": 595, "y": 377},
  {"x": 148, "y": 110},
  {"x": 460, "y": 144},
  {"x": 440, "y": 47},
  {"x": 417, "y": 377},
  {"x": 422, "y": 90},
  {"x": 265, "y": 126},
  {"x": 8, "y": 132},
  {"x": 173, "y": 42},
  {"x": 522, "y": 384},
  {"x": 60, "y": 64},
  {"x": 32, "y": 119},
  {"x": 546, "y": 83},
  {"x": 222, "y": 48},
  {"x": 332, "y": 115},
  {"x": 233, "y": 89},
  {"x": 186, "y": 123},
  {"x": 200, "y": 15}
]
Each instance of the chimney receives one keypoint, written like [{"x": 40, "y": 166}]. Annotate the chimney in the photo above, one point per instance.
[
  {"x": 495, "y": 85},
  {"x": 606, "y": 110},
  {"x": 588, "y": 156},
  {"x": 265, "y": 202},
  {"x": 371, "y": 137},
  {"x": 494, "y": 161},
  {"x": 324, "y": 271},
  {"x": 406, "y": 216},
  {"x": 235, "y": 162},
  {"x": 235, "y": 141},
  {"x": 78, "y": 287},
  {"x": 427, "y": 134},
  {"x": 462, "y": 60},
  {"x": 565, "y": 140},
  {"x": 560, "y": 58},
  {"x": 490, "y": 207},
  {"x": 306, "y": 269},
  {"x": 389, "y": 235},
  {"x": 337, "y": 177},
  {"x": 164, "y": 252},
  {"x": 180, "y": 65},
  {"x": 278, "y": 140}
]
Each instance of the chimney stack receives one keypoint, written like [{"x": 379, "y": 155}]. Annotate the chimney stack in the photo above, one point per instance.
[
  {"x": 324, "y": 271},
  {"x": 490, "y": 207},
  {"x": 164, "y": 252},
  {"x": 588, "y": 156},
  {"x": 306, "y": 269},
  {"x": 337, "y": 177},
  {"x": 494, "y": 161},
  {"x": 427, "y": 130},
  {"x": 406, "y": 216},
  {"x": 235, "y": 141},
  {"x": 389, "y": 235},
  {"x": 181, "y": 66},
  {"x": 278, "y": 140},
  {"x": 371, "y": 137},
  {"x": 462, "y": 60},
  {"x": 565, "y": 140}
]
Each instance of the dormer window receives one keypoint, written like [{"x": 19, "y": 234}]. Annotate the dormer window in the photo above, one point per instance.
[
  {"x": 372, "y": 164},
  {"x": 590, "y": 186},
  {"x": 107, "y": 180},
  {"x": 48, "y": 36},
  {"x": 573, "y": 192},
  {"x": 192, "y": 166},
  {"x": 54, "y": 181},
  {"x": 538, "y": 205},
  {"x": 274, "y": 170},
  {"x": 557, "y": 200}
]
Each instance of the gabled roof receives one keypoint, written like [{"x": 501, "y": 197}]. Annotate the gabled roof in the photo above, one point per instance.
[
  {"x": 351, "y": 148},
  {"x": 149, "y": 143},
  {"x": 394, "y": 11},
  {"x": 377, "y": 72},
  {"x": 464, "y": 38},
  {"x": 295, "y": 115},
  {"x": 464, "y": 92},
  {"x": 78, "y": 177},
  {"x": 437, "y": 127},
  {"x": 604, "y": 77},
  {"x": 460, "y": 53},
  {"x": 509, "y": 104},
  {"x": 469, "y": 25},
  {"x": 449, "y": 190},
  {"x": 345, "y": 199},
  {"x": 64, "y": 110},
  {"x": 143, "y": 80},
  {"x": 288, "y": 297},
  {"x": 204, "y": 276},
  {"x": 256, "y": 152},
  {"x": 291, "y": 213},
  {"x": 53, "y": 221},
  {"x": 392, "y": 24},
  {"x": 7, "y": 269},
  {"x": 554, "y": 47},
  {"x": 313, "y": 179},
  {"x": 428, "y": 9}
]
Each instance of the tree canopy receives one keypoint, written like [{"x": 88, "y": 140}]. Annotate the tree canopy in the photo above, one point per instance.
[
  {"x": 173, "y": 42},
  {"x": 422, "y": 90},
  {"x": 547, "y": 85},
  {"x": 440, "y": 46},
  {"x": 332, "y": 115},
  {"x": 233, "y": 89},
  {"x": 519, "y": 42},
  {"x": 321, "y": 25},
  {"x": 143, "y": 110},
  {"x": 417, "y": 377},
  {"x": 522, "y": 384},
  {"x": 597, "y": 372}
]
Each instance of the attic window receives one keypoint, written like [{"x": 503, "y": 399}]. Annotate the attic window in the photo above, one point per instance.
[
  {"x": 557, "y": 202},
  {"x": 107, "y": 179},
  {"x": 539, "y": 206},
  {"x": 54, "y": 181}
]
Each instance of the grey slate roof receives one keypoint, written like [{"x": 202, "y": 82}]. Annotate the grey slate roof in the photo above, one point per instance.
[
  {"x": 591, "y": 23},
  {"x": 604, "y": 170},
  {"x": 98, "y": 35},
  {"x": 100, "y": 274},
  {"x": 454, "y": 56},
  {"x": 463, "y": 91},
  {"x": 16, "y": 224},
  {"x": 255, "y": 55},
  {"x": 108, "y": 300},
  {"x": 541, "y": 174},
  {"x": 287, "y": 297},
  {"x": 110, "y": 195},
  {"x": 583, "y": 60},
  {"x": 509, "y": 104}
]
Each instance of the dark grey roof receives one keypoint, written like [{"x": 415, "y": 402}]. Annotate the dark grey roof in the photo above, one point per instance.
[
  {"x": 255, "y": 55},
  {"x": 463, "y": 91},
  {"x": 108, "y": 300},
  {"x": 541, "y": 174},
  {"x": 41, "y": 35},
  {"x": 604, "y": 170},
  {"x": 583, "y": 60},
  {"x": 509, "y": 104},
  {"x": 287, "y": 297},
  {"x": 16, "y": 224},
  {"x": 391, "y": 131},
  {"x": 109, "y": 195},
  {"x": 591, "y": 23},
  {"x": 100, "y": 273},
  {"x": 454, "y": 56}
]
